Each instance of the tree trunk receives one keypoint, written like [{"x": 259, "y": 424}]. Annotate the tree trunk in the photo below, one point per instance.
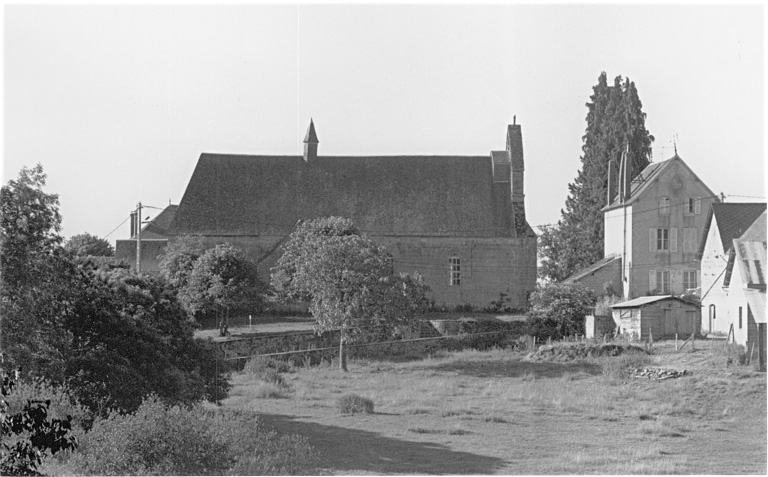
[{"x": 342, "y": 356}]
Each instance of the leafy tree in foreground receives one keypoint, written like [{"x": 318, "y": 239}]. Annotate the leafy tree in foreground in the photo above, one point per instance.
[
  {"x": 558, "y": 310},
  {"x": 34, "y": 277},
  {"x": 28, "y": 435},
  {"x": 131, "y": 338},
  {"x": 111, "y": 335},
  {"x": 86, "y": 244},
  {"x": 615, "y": 122},
  {"x": 349, "y": 281}
]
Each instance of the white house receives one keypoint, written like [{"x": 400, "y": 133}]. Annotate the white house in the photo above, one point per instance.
[{"x": 725, "y": 222}]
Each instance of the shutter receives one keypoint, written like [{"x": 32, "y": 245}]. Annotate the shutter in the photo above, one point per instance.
[
  {"x": 686, "y": 238},
  {"x": 651, "y": 240},
  {"x": 694, "y": 240},
  {"x": 697, "y": 206},
  {"x": 673, "y": 239},
  {"x": 698, "y": 280},
  {"x": 651, "y": 280},
  {"x": 679, "y": 280}
]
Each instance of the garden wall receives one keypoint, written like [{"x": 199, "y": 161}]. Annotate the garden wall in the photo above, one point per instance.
[{"x": 394, "y": 349}]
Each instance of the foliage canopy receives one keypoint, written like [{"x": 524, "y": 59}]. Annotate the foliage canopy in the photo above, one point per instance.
[
  {"x": 558, "y": 310},
  {"x": 348, "y": 280},
  {"x": 615, "y": 124}
]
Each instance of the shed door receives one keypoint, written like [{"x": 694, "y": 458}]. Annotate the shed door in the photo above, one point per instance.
[{"x": 670, "y": 322}]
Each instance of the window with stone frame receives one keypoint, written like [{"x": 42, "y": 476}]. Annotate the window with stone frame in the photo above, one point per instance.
[{"x": 455, "y": 267}]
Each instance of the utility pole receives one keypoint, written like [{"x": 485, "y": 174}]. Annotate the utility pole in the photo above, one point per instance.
[{"x": 138, "y": 238}]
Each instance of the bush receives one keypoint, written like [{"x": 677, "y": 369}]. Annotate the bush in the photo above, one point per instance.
[
  {"x": 271, "y": 376},
  {"x": 62, "y": 402},
  {"x": 161, "y": 440},
  {"x": 354, "y": 404},
  {"x": 558, "y": 310},
  {"x": 259, "y": 364},
  {"x": 729, "y": 354}
]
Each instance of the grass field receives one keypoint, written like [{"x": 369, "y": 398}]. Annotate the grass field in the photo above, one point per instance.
[{"x": 495, "y": 413}]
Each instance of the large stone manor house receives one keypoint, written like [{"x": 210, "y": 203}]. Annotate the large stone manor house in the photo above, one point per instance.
[{"x": 459, "y": 221}]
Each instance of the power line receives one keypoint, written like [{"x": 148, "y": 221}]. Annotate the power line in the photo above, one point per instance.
[{"x": 113, "y": 230}]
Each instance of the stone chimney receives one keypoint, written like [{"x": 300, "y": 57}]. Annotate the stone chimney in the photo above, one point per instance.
[
  {"x": 310, "y": 143},
  {"x": 515, "y": 149}
]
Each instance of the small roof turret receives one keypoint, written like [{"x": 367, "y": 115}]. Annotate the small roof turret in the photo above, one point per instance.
[{"x": 311, "y": 137}]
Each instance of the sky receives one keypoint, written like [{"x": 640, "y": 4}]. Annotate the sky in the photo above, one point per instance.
[{"x": 118, "y": 102}]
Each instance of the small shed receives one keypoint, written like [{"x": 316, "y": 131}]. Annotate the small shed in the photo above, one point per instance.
[{"x": 664, "y": 316}]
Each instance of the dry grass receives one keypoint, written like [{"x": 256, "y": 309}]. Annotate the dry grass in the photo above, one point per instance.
[{"x": 492, "y": 412}]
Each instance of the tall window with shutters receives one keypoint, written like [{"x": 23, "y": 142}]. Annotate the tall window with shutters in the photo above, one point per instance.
[{"x": 662, "y": 240}]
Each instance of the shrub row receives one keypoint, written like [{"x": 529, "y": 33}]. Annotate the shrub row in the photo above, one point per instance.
[{"x": 162, "y": 440}]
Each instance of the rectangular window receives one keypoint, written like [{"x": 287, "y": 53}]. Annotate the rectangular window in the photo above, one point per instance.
[
  {"x": 739, "y": 317},
  {"x": 662, "y": 239},
  {"x": 455, "y": 264},
  {"x": 662, "y": 281},
  {"x": 664, "y": 206},
  {"x": 689, "y": 279},
  {"x": 693, "y": 206}
]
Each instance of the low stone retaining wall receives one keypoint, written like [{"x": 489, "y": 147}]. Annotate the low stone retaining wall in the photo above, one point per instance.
[
  {"x": 392, "y": 349},
  {"x": 266, "y": 344}
]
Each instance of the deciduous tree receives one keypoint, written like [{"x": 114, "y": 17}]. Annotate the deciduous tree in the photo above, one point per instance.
[
  {"x": 221, "y": 279},
  {"x": 558, "y": 310},
  {"x": 85, "y": 244},
  {"x": 349, "y": 281}
]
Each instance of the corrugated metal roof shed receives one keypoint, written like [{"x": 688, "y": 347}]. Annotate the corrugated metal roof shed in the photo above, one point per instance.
[{"x": 644, "y": 300}]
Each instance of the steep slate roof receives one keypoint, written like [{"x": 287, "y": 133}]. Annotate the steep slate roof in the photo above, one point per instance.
[
  {"x": 643, "y": 180},
  {"x": 757, "y": 231},
  {"x": 158, "y": 227},
  {"x": 384, "y": 195},
  {"x": 610, "y": 258},
  {"x": 733, "y": 219}
]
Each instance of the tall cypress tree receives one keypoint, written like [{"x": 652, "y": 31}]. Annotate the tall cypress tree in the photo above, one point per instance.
[{"x": 615, "y": 121}]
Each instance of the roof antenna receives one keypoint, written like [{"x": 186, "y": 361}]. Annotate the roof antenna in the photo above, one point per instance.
[
  {"x": 674, "y": 142},
  {"x": 514, "y": 119}
]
